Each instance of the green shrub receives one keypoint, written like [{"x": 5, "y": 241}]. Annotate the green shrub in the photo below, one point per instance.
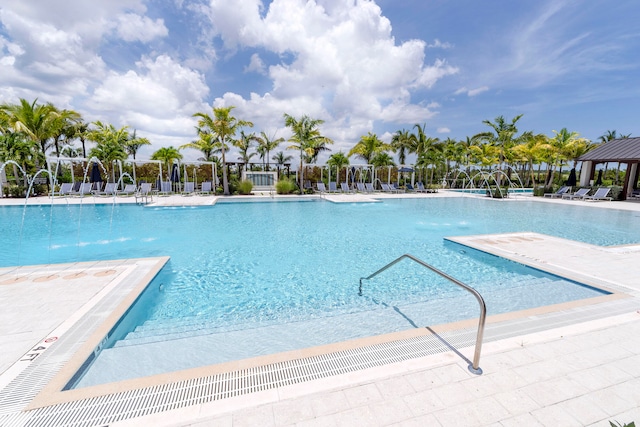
[
  {"x": 245, "y": 187},
  {"x": 285, "y": 186},
  {"x": 13, "y": 190},
  {"x": 498, "y": 192}
]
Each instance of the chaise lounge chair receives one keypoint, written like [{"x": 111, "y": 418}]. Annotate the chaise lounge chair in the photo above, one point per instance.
[
  {"x": 64, "y": 190},
  {"x": 332, "y": 187},
  {"x": 580, "y": 194},
  {"x": 360, "y": 187},
  {"x": 189, "y": 189},
  {"x": 110, "y": 189},
  {"x": 344, "y": 187},
  {"x": 129, "y": 190},
  {"x": 600, "y": 194},
  {"x": 369, "y": 187},
  {"x": 561, "y": 191},
  {"x": 205, "y": 188},
  {"x": 321, "y": 187}
]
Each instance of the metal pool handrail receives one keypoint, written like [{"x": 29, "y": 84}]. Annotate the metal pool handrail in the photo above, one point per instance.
[{"x": 473, "y": 367}]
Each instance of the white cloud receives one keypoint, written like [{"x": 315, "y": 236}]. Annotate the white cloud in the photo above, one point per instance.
[
  {"x": 477, "y": 91},
  {"x": 339, "y": 61},
  {"x": 133, "y": 27},
  {"x": 440, "y": 45},
  {"x": 255, "y": 65},
  {"x": 443, "y": 130}
]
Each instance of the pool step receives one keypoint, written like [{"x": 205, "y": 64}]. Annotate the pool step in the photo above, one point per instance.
[{"x": 166, "y": 329}]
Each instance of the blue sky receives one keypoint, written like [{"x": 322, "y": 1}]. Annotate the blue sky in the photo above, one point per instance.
[{"x": 362, "y": 66}]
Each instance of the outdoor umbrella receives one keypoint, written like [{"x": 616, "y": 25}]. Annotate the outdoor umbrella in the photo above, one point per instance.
[
  {"x": 175, "y": 174},
  {"x": 95, "y": 173},
  {"x": 599, "y": 180},
  {"x": 572, "y": 178}
]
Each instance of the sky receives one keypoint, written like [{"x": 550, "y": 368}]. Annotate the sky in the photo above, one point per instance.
[{"x": 361, "y": 66}]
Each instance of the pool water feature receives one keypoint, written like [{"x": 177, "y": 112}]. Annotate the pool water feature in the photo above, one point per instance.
[{"x": 255, "y": 278}]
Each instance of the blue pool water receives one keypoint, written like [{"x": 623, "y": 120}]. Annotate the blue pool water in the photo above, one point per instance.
[{"x": 247, "y": 279}]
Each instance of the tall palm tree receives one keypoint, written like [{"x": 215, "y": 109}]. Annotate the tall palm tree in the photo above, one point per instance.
[
  {"x": 80, "y": 130},
  {"x": 281, "y": 159},
  {"x": 338, "y": 161},
  {"x": 17, "y": 147},
  {"x": 502, "y": 136},
  {"x": 64, "y": 127},
  {"x": 266, "y": 144},
  {"x": 223, "y": 126},
  {"x": 110, "y": 143},
  {"x": 368, "y": 146},
  {"x": 306, "y": 138},
  {"x": 244, "y": 144},
  {"x": 565, "y": 144},
  {"x": 134, "y": 143},
  {"x": 401, "y": 142},
  {"x": 532, "y": 151},
  {"x": 382, "y": 159}
]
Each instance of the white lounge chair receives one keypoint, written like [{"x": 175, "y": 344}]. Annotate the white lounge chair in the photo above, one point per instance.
[
  {"x": 344, "y": 187},
  {"x": 189, "y": 188},
  {"x": 369, "y": 187},
  {"x": 321, "y": 187},
  {"x": 110, "y": 189},
  {"x": 561, "y": 191},
  {"x": 129, "y": 190},
  {"x": 165, "y": 188},
  {"x": 600, "y": 194},
  {"x": 83, "y": 190},
  {"x": 144, "y": 193},
  {"x": 332, "y": 187},
  {"x": 205, "y": 188},
  {"x": 64, "y": 190},
  {"x": 580, "y": 194},
  {"x": 360, "y": 187}
]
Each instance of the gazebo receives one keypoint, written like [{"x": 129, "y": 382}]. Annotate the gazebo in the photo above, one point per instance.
[{"x": 625, "y": 150}]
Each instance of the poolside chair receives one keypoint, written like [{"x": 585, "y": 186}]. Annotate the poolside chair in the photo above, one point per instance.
[
  {"x": 129, "y": 190},
  {"x": 369, "y": 187},
  {"x": 580, "y": 194},
  {"x": 600, "y": 194},
  {"x": 332, "y": 187},
  {"x": 165, "y": 188},
  {"x": 205, "y": 188},
  {"x": 189, "y": 188},
  {"x": 83, "y": 190},
  {"x": 360, "y": 187},
  {"x": 64, "y": 190},
  {"x": 321, "y": 187},
  {"x": 420, "y": 187},
  {"x": 410, "y": 188},
  {"x": 635, "y": 194},
  {"x": 388, "y": 188},
  {"x": 144, "y": 193},
  {"x": 110, "y": 189},
  {"x": 561, "y": 191},
  {"x": 344, "y": 187}
]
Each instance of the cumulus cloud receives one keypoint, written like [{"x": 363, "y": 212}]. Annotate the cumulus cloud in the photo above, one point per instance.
[
  {"x": 133, "y": 27},
  {"x": 256, "y": 65},
  {"x": 443, "y": 130},
  {"x": 160, "y": 96},
  {"x": 338, "y": 60},
  {"x": 440, "y": 45}
]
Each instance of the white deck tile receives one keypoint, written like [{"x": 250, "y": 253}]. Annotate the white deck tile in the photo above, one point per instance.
[
  {"x": 329, "y": 403},
  {"x": 292, "y": 411},
  {"x": 394, "y": 387},
  {"x": 554, "y": 415},
  {"x": 584, "y": 409},
  {"x": 363, "y": 395},
  {"x": 521, "y": 420},
  {"x": 258, "y": 416},
  {"x": 517, "y": 402},
  {"x": 424, "y": 402},
  {"x": 391, "y": 411},
  {"x": 483, "y": 411}
]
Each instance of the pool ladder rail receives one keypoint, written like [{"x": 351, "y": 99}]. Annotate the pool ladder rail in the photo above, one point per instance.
[{"x": 474, "y": 366}]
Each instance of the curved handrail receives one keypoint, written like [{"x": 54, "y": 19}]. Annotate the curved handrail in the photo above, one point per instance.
[{"x": 474, "y": 366}]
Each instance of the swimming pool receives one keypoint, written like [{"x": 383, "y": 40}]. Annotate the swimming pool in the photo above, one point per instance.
[{"x": 240, "y": 271}]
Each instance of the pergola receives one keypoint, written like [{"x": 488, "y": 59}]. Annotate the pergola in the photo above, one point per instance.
[{"x": 626, "y": 150}]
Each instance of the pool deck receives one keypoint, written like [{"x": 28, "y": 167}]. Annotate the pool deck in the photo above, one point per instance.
[{"x": 585, "y": 372}]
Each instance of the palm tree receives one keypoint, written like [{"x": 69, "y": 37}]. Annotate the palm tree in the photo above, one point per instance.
[
  {"x": 134, "y": 143},
  {"x": 244, "y": 145},
  {"x": 167, "y": 155},
  {"x": 64, "y": 126},
  {"x": 207, "y": 144},
  {"x": 80, "y": 130},
  {"x": 35, "y": 120},
  {"x": 382, "y": 160},
  {"x": 338, "y": 161},
  {"x": 368, "y": 146},
  {"x": 265, "y": 145},
  {"x": 531, "y": 151},
  {"x": 223, "y": 126},
  {"x": 281, "y": 159},
  {"x": 110, "y": 143},
  {"x": 306, "y": 138},
  {"x": 565, "y": 144},
  {"x": 401, "y": 142},
  {"x": 503, "y": 138},
  {"x": 15, "y": 146},
  {"x": 608, "y": 136}
]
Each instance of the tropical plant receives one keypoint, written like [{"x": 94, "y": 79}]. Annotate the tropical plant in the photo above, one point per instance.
[
  {"x": 401, "y": 143},
  {"x": 266, "y": 144},
  {"x": 64, "y": 127},
  {"x": 245, "y": 187},
  {"x": 15, "y": 146},
  {"x": 337, "y": 161},
  {"x": 382, "y": 160},
  {"x": 110, "y": 143},
  {"x": 565, "y": 145},
  {"x": 281, "y": 159},
  {"x": 134, "y": 143},
  {"x": 368, "y": 146},
  {"x": 222, "y": 126},
  {"x": 502, "y": 137},
  {"x": 35, "y": 120},
  {"x": 244, "y": 144},
  {"x": 207, "y": 144},
  {"x": 306, "y": 138},
  {"x": 167, "y": 155}
]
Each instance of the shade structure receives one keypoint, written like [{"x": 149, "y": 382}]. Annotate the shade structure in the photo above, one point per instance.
[
  {"x": 95, "y": 175},
  {"x": 572, "y": 180},
  {"x": 405, "y": 169}
]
